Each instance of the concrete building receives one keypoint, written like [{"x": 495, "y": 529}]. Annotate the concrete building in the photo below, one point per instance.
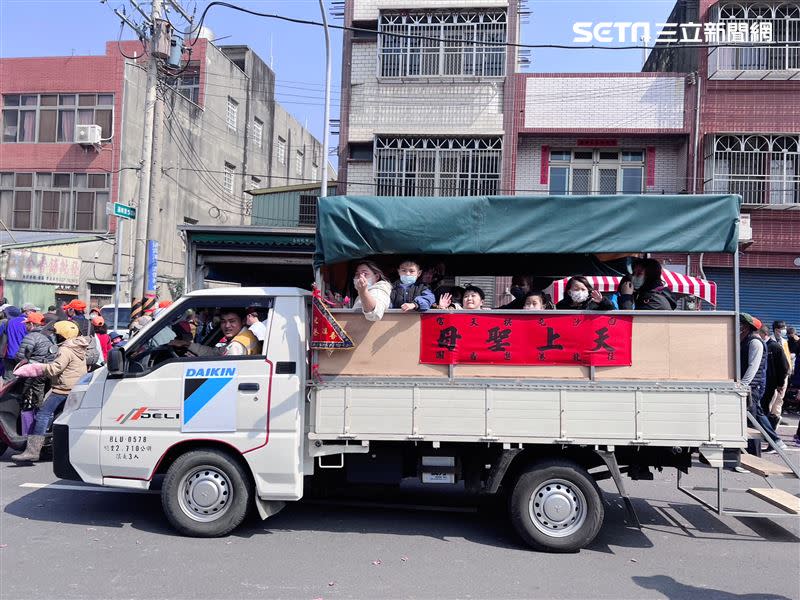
[
  {"x": 223, "y": 134},
  {"x": 747, "y": 139}
]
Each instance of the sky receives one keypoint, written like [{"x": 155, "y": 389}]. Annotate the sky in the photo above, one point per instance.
[{"x": 296, "y": 52}]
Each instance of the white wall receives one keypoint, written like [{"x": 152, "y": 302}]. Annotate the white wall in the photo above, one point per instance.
[
  {"x": 367, "y": 10},
  {"x": 604, "y": 102}
]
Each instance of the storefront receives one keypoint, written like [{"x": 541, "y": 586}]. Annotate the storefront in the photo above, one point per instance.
[
  {"x": 39, "y": 278},
  {"x": 769, "y": 294}
]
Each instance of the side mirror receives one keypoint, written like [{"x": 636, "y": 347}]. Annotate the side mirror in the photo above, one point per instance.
[{"x": 115, "y": 362}]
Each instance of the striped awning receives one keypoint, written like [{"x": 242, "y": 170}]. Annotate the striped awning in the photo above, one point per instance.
[{"x": 677, "y": 283}]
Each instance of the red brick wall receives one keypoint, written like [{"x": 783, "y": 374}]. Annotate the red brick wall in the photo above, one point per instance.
[{"x": 66, "y": 74}]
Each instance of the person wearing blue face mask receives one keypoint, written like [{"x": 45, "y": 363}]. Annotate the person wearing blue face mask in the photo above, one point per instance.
[{"x": 407, "y": 292}]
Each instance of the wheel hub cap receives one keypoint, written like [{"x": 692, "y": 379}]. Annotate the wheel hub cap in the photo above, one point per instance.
[
  {"x": 205, "y": 494},
  {"x": 557, "y": 508}
]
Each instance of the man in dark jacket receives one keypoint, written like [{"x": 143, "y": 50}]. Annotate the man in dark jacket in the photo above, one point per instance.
[
  {"x": 646, "y": 291},
  {"x": 754, "y": 371},
  {"x": 407, "y": 292},
  {"x": 38, "y": 346},
  {"x": 777, "y": 371}
]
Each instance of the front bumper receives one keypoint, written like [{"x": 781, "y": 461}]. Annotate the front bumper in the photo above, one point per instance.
[{"x": 62, "y": 467}]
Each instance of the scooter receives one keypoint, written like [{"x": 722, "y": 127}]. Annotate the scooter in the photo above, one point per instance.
[
  {"x": 11, "y": 403},
  {"x": 11, "y": 416}
]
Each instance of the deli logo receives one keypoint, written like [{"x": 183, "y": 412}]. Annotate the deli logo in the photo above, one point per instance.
[{"x": 144, "y": 412}]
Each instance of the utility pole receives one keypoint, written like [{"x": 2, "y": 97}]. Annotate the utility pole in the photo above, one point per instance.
[{"x": 146, "y": 172}]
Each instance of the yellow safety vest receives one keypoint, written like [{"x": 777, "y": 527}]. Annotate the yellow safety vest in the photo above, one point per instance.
[{"x": 250, "y": 342}]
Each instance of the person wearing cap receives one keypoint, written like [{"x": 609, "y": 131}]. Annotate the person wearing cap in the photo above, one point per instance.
[
  {"x": 754, "y": 371},
  {"x": 12, "y": 332},
  {"x": 101, "y": 335},
  {"x": 38, "y": 346},
  {"x": 64, "y": 372},
  {"x": 28, "y": 308},
  {"x": 75, "y": 310}
]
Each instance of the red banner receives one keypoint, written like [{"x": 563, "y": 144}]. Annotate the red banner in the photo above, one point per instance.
[{"x": 599, "y": 340}]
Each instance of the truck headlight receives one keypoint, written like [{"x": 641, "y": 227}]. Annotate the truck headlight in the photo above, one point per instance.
[{"x": 73, "y": 402}]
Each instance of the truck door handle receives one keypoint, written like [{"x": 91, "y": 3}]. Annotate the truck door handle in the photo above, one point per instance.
[{"x": 248, "y": 387}]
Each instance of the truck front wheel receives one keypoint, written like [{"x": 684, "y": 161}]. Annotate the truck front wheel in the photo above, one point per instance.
[
  {"x": 556, "y": 506},
  {"x": 205, "y": 493}
]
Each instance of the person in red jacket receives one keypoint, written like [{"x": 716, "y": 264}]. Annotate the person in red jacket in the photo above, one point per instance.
[{"x": 100, "y": 330}]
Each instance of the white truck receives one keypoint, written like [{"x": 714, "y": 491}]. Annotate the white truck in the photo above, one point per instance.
[{"x": 228, "y": 432}]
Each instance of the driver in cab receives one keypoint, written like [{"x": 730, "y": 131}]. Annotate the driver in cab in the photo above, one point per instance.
[{"x": 237, "y": 340}]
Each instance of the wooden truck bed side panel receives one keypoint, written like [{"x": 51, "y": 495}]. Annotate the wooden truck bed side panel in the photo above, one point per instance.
[{"x": 676, "y": 347}]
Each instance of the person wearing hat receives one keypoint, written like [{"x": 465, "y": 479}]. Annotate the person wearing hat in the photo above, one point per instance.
[
  {"x": 39, "y": 346},
  {"x": 64, "y": 372},
  {"x": 754, "y": 371},
  {"x": 12, "y": 331},
  {"x": 75, "y": 310},
  {"x": 101, "y": 334},
  {"x": 116, "y": 339},
  {"x": 28, "y": 308}
]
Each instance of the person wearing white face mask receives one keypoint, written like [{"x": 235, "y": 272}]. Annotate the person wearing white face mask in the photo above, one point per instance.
[
  {"x": 581, "y": 295},
  {"x": 407, "y": 292},
  {"x": 646, "y": 291},
  {"x": 373, "y": 290}
]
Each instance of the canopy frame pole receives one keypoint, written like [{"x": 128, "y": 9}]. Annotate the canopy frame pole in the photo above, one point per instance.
[{"x": 736, "y": 309}]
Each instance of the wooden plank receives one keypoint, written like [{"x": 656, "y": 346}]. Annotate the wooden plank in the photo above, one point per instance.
[
  {"x": 762, "y": 467},
  {"x": 780, "y": 498}
]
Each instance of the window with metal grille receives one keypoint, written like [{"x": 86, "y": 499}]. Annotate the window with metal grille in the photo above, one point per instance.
[
  {"x": 187, "y": 84},
  {"x": 258, "y": 132},
  {"x": 55, "y": 201},
  {"x": 437, "y": 166},
  {"x": 589, "y": 172},
  {"x": 762, "y": 169},
  {"x": 280, "y": 150},
  {"x": 231, "y": 114},
  {"x": 298, "y": 162},
  {"x": 308, "y": 210},
  {"x": 754, "y": 36},
  {"x": 442, "y": 43},
  {"x": 230, "y": 170}
]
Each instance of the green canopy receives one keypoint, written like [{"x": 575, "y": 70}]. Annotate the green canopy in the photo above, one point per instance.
[{"x": 351, "y": 227}]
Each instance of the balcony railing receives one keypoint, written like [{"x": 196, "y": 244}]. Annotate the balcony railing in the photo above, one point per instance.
[{"x": 756, "y": 40}]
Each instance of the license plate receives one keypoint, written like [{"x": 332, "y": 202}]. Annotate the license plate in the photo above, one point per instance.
[{"x": 438, "y": 478}]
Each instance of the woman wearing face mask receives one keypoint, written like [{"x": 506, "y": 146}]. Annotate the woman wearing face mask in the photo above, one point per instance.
[
  {"x": 580, "y": 295},
  {"x": 374, "y": 291},
  {"x": 645, "y": 290},
  {"x": 537, "y": 301}
]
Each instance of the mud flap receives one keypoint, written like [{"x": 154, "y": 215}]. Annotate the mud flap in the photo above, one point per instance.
[{"x": 268, "y": 508}]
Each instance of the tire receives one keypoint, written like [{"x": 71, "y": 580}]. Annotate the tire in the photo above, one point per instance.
[
  {"x": 556, "y": 506},
  {"x": 206, "y": 493}
]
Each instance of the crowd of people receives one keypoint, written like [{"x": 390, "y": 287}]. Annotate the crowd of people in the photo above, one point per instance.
[
  {"x": 770, "y": 363},
  {"x": 643, "y": 289},
  {"x": 50, "y": 351}
]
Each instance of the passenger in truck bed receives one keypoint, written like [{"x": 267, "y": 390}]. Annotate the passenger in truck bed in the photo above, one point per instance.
[
  {"x": 373, "y": 290},
  {"x": 409, "y": 292},
  {"x": 581, "y": 295},
  {"x": 449, "y": 298},
  {"x": 537, "y": 300},
  {"x": 645, "y": 291}
]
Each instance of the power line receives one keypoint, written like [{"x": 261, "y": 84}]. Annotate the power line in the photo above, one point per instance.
[{"x": 506, "y": 44}]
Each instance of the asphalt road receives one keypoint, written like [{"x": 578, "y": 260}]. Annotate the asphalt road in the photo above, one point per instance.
[{"x": 79, "y": 543}]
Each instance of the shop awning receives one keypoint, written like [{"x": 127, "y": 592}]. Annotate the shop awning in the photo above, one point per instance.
[
  {"x": 352, "y": 227},
  {"x": 677, "y": 283}
]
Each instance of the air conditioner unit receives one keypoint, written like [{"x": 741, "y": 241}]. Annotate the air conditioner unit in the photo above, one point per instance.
[
  {"x": 87, "y": 135},
  {"x": 745, "y": 229}
]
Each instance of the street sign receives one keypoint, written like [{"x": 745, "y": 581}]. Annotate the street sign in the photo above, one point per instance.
[{"x": 123, "y": 211}]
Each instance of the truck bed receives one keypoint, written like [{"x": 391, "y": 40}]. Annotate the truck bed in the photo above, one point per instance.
[{"x": 679, "y": 391}]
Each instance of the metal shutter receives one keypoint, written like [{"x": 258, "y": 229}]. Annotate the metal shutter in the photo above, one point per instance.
[{"x": 769, "y": 294}]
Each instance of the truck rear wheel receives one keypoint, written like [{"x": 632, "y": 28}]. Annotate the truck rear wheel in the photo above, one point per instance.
[
  {"x": 556, "y": 506},
  {"x": 206, "y": 493}
]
